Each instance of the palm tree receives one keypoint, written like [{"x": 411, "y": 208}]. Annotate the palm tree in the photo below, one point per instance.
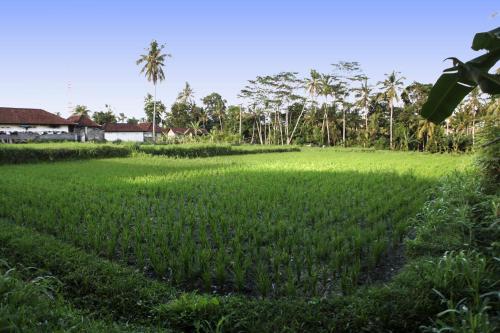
[
  {"x": 473, "y": 106},
  {"x": 121, "y": 117},
  {"x": 153, "y": 62},
  {"x": 363, "y": 98},
  {"x": 81, "y": 110},
  {"x": 203, "y": 117},
  {"x": 219, "y": 112},
  {"x": 195, "y": 126},
  {"x": 426, "y": 132},
  {"x": 326, "y": 89},
  {"x": 391, "y": 87},
  {"x": 186, "y": 95}
]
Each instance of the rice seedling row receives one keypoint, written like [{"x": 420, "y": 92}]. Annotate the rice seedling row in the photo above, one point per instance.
[{"x": 307, "y": 223}]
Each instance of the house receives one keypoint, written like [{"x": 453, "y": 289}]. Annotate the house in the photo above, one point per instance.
[
  {"x": 23, "y": 124},
  {"x": 31, "y": 120},
  {"x": 85, "y": 128},
  {"x": 148, "y": 131},
  {"x": 123, "y": 132}
]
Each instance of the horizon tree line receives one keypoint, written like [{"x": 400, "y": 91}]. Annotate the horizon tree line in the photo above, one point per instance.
[{"x": 340, "y": 107}]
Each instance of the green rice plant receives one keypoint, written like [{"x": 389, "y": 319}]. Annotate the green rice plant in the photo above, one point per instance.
[{"x": 217, "y": 222}]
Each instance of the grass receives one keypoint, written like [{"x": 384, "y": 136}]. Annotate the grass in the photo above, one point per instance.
[
  {"x": 302, "y": 224},
  {"x": 92, "y": 207}
]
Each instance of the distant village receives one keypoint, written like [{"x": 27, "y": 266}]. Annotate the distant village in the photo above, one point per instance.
[{"x": 28, "y": 125}]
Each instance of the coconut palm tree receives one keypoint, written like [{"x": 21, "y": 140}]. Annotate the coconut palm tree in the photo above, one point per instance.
[
  {"x": 473, "y": 105},
  {"x": 363, "y": 98},
  {"x": 326, "y": 89},
  {"x": 391, "y": 87},
  {"x": 426, "y": 132},
  {"x": 186, "y": 95},
  {"x": 153, "y": 62},
  {"x": 81, "y": 110}
]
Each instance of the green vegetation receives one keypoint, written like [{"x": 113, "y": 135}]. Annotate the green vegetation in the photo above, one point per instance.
[
  {"x": 460, "y": 227},
  {"x": 28, "y": 153},
  {"x": 305, "y": 224},
  {"x": 34, "y": 305}
]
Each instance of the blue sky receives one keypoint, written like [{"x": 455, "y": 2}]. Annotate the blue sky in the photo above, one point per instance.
[{"x": 218, "y": 45}]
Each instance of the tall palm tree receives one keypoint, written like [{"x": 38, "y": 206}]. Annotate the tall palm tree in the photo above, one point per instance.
[
  {"x": 363, "y": 98},
  {"x": 153, "y": 62},
  {"x": 473, "y": 105},
  {"x": 326, "y": 89},
  {"x": 391, "y": 87}
]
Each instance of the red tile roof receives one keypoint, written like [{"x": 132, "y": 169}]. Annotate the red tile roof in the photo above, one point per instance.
[
  {"x": 23, "y": 116},
  {"x": 148, "y": 127},
  {"x": 82, "y": 120},
  {"x": 122, "y": 127},
  {"x": 184, "y": 131},
  {"x": 180, "y": 130}
]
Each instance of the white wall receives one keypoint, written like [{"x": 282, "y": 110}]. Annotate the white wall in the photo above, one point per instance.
[
  {"x": 35, "y": 128},
  {"x": 124, "y": 136}
]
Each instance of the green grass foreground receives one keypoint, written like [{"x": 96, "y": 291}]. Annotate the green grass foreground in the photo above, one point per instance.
[{"x": 93, "y": 209}]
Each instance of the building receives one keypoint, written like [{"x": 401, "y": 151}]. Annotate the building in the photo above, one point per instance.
[
  {"x": 148, "y": 131},
  {"x": 22, "y": 124},
  {"x": 123, "y": 132},
  {"x": 85, "y": 128},
  {"x": 15, "y": 120}
]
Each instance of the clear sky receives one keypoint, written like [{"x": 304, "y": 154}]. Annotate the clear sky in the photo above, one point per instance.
[{"x": 218, "y": 45}]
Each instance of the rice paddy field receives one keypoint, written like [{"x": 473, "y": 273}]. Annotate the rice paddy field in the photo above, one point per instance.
[{"x": 312, "y": 223}]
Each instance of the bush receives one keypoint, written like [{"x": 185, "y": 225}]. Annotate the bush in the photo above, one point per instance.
[
  {"x": 14, "y": 154},
  {"x": 31, "y": 153}
]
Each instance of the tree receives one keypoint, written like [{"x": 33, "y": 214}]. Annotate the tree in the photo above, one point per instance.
[
  {"x": 473, "y": 106},
  {"x": 121, "y": 117},
  {"x": 363, "y": 96},
  {"x": 344, "y": 71},
  {"x": 104, "y": 117},
  {"x": 81, "y": 110},
  {"x": 149, "y": 109},
  {"x": 133, "y": 121},
  {"x": 186, "y": 96},
  {"x": 391, "y": 87},
  {"x": 215, "y": 108},
  {"x": 179, "y": 115},
  {"x": 153, "y": 63},
  {"x": 326, "y": 89}
]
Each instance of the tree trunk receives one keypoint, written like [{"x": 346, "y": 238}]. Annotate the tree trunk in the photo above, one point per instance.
[
  {"x": 327, "y": 131},
  {"x": 297, "y": 123},
  {"x": 154, "y": 117},
  {"x": 253, "y": 132},
  {"x": 473, "y": 129},
  {"x": 390, "y": 124},
  {"x": 343, "y": 126},
  {"x": 240, "y": 121}
]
